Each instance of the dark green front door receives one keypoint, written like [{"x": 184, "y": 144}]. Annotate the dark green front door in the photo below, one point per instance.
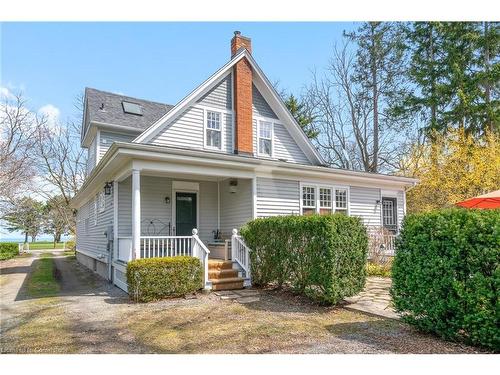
[{"x": 185, "y": 213}]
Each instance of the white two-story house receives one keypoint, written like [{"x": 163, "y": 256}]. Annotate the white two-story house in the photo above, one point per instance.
[{"x": 167, "y": 180}]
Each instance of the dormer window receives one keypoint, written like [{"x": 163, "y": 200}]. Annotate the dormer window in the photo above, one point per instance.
[
  {"x": 265, "y": 134},
  {"x": 213, "y": 130},
  {"x": 132, "y": 108}
]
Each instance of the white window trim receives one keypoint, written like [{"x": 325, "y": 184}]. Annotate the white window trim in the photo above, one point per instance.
[
  {"x": 302, "y": 197},
  {"x": 273, "y": 123},
  {"x": 317, "y": 186},
  {"x": 334, "y": 199},
  {"x": 205, "y": 128}
]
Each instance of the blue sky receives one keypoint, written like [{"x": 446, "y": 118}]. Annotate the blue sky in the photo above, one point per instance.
[{"x": 53, "y": 62}]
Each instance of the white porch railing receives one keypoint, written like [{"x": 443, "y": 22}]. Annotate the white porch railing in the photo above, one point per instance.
[
  {"x": 200, "y": 251},
  {"x": 165, "y": 246},
  {"x": 240, "y": 252}
]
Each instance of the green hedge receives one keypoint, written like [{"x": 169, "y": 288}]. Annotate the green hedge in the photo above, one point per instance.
[
  {"x": 446, "y": 274},
  {"x": 8, "y": 250},
  {"x": 156, "y": 278},
  {"x": 322, "y": 257}
]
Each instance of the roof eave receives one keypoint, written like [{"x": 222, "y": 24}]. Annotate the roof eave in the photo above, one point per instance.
[{"x": 255, "y": 163}]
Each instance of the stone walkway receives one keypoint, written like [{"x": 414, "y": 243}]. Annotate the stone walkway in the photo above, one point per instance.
[
  {"x": 240, "y": 296},
  {"x": 374, "y": 299}
]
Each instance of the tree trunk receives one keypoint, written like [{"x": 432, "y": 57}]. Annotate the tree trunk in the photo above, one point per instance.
[
  {"x": 25, "y": 237},
  {"x": 374, "y": 82}
]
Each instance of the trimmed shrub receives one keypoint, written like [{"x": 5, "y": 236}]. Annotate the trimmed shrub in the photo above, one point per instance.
[
  {"x": 8, "y": 250},
  {"x": 156, "y": 278},
  {"x": 446, "y": 274},
  {"x": 322, "y": 257}
]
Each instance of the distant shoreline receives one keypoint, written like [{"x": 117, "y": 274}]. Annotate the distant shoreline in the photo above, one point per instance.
[{"x": 18, "y": 240}]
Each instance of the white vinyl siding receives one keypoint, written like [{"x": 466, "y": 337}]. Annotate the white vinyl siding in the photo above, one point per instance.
[
  {"x": 401, "y": 213},
  {"x": 284, "y": 146},
  {"x": 107, "y": 139},
  {"x": 363, "y": 203},
  {"x": 92, "y": 155},
  {"x": 187, "y": 131},
  {"x": 92, "y": 240},
  {"x": 156, "y": 214},
  {"x": 277, "y": 197},
  {"x": 260, "y": 106},
  {"x": 235, "y": 208},
  {"x": 208, "y": 210},
  {"x": 219, "y": 96}
]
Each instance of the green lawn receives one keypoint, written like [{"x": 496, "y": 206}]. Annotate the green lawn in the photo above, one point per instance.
[
  {"x": 42, "y": 281},
  {"x": 41, "y": 245}
]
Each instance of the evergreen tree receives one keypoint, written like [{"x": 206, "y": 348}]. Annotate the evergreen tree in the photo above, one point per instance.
[
  {"x": 425, "y": 99},
  {"x": 301, "y": 115},
  {"x": 454, "y": 75},
  {"x": 488, "y": 76}
]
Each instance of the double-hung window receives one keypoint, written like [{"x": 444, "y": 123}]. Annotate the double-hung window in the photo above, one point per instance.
[
  {"x": 325, "y": 200},
  {"x": 213, "y": 130},
  {"x": 265, "y": 136},
  {"x": 341, "y": 201},
  {"x": 308, "y": 200}
]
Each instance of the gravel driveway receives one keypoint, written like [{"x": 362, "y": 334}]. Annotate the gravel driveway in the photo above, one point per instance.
[{"x": 89, "y": 315}]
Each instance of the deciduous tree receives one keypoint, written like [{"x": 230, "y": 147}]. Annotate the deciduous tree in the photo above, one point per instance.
[{"x": 454, "y": 167}]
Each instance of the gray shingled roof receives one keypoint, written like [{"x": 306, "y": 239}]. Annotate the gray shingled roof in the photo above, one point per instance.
[{"x": 112, "y": 109}]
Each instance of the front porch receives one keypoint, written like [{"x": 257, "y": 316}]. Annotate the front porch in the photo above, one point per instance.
[{"x": 167, "y": 214}]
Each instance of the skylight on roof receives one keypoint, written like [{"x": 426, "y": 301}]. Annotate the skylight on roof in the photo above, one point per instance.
[{"x": 133, "y": 108}]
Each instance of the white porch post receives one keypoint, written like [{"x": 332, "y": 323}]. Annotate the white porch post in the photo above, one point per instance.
[{"x": 136, "y": 214}]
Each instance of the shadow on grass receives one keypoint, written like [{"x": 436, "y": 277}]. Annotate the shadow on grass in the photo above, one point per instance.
[{"x": 71, "y": 278}]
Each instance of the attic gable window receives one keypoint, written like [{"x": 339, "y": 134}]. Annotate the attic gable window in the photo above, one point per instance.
[
  {"x": 213, "y": 130},
  {"x": 265, "y": 133},
  {"x": 132, "y": 108}
]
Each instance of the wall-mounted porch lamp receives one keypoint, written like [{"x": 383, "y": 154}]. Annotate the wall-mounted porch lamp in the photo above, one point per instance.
[
  {"x": 107, "y": 188},
  {"x": 167, "y": 200},
  {"x": 233, "y": 186}
]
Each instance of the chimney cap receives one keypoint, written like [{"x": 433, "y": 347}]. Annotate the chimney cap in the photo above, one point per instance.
[{"x": 236, "y": 33}]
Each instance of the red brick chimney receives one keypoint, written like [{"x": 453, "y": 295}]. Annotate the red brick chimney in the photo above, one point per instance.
[{"x": 243, "y": 137}]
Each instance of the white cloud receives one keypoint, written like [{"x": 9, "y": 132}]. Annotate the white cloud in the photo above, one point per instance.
[
  {"x": 52, "y": 114},
  {"x": 5, "y": 93}
]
